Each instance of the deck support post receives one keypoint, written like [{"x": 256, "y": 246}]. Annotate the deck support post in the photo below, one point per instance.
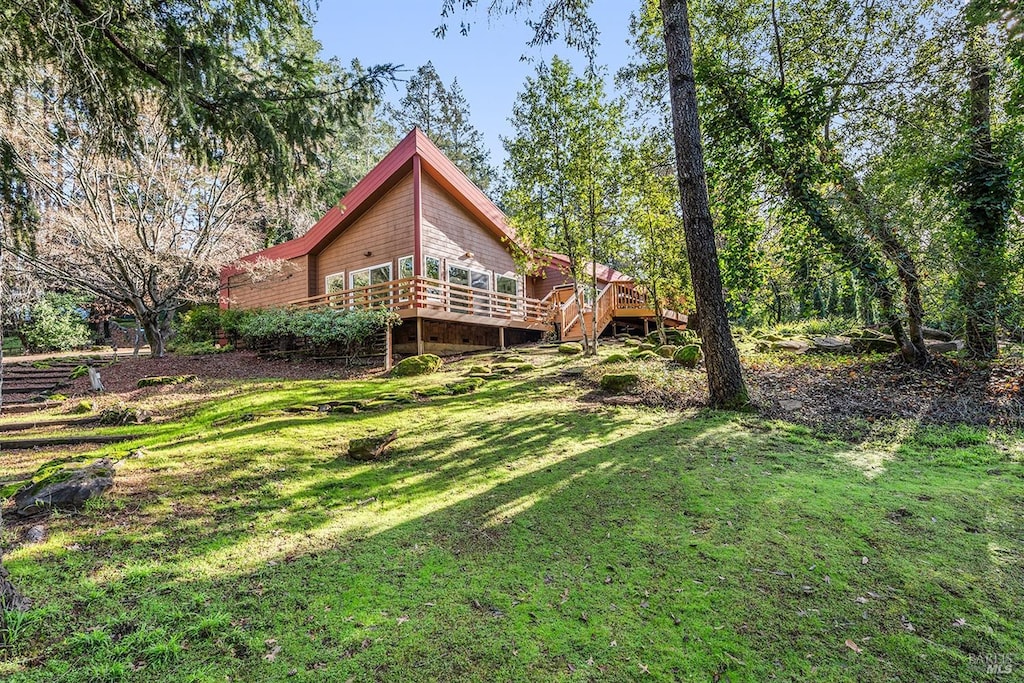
[
  {"x": 388, "y": 348},
  {"x": 419, "y": 336},
  {"x": 501, "y": 338},
  {"x": 646, "y": 330}
]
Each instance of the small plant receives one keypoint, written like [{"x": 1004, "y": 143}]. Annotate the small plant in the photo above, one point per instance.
[{"x": 79, "y": 371}]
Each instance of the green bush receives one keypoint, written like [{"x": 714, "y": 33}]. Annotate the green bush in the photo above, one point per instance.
[
  {"x": 319, "y": 327},
  {"x": 57, "y": 324},
  {"x": 417, "y": 365},
  {"x": 201, "y": 324}
]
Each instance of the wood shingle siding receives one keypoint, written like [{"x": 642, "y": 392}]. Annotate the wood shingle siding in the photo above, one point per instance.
[
  {"x": 385, "y": 230},
  {"x": 450, "y": 232}
]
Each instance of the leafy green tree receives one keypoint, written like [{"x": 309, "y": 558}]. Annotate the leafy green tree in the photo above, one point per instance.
[
  {"x": 56, "y": 323},
  {"x": 563, "y": 170},
  {"x": 569, "y": 20},
  {"x": 442, "y": 112}
]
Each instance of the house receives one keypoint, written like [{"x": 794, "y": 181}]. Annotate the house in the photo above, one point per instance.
[{"x": 418, "y": 236}]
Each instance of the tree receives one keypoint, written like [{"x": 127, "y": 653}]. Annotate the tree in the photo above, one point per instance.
[
  {"x": 569, "y": 20},
  {"x": 442, "y": 112},
  {"x": 651, "y": 225},
  {"x": 148, "y": 230},
  {"x": 563, "y": 173}
]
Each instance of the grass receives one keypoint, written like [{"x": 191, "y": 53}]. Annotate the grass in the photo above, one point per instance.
[{"x": 522, "y": 532}]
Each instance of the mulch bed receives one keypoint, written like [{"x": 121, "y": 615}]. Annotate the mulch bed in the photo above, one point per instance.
[{"x": 945, "y": 392}]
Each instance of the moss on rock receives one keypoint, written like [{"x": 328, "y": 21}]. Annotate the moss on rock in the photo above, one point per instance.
[
  {"x": 618, "y": 382},
  {"x": 688, "y": 356},
  {"x": 417, "y": 365},
  {"x": 570, "y": 348}
]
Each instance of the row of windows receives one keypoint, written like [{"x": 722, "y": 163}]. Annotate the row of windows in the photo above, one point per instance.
[{"x": 456, "y": 275}]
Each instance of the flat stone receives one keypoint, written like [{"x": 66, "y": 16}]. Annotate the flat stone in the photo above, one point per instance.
[
  {"x": 66, "y": 488},
  {"x": 35, "y": 534},
  {"x": 791, "y": 404}
]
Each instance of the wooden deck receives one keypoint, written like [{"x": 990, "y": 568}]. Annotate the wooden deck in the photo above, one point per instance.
[
  {"x": 420, "y": 297},
  {"x": 425, "y": 298}
]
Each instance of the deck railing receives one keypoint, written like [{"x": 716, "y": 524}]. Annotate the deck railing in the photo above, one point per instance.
[{"x": 421, "y": 293}]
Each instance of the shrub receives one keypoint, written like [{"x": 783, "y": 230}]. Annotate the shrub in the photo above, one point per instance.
[
  {"x": 319, "y": 327},
  {"x": 201, "y": 324},
  {"x": 57, "y": 324},
  {"x": 417, "y": 365}
]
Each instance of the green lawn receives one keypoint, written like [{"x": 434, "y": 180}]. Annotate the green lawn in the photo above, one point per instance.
[{"x": 522, "y": 532}]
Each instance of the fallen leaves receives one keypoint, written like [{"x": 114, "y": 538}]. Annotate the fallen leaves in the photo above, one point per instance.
[{"x": 853, "y": 646}]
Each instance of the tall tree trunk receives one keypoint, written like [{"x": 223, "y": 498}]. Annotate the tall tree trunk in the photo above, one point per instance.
[
  {"x": 726, "y": 386},
  {"x": 896, "y": 251},
  {"x": 986, "y": 199},
  {"x": 151, "y": 327}
]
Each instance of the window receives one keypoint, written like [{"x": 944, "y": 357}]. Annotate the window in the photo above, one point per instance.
[
  {"x": 334, "y": 282},
  {"x": 433, "y": 269},
  {"x": 405, "y": 267},
  {"x": 508, "y": 285},
  {"x": 433, "y": 272},
  {"x": 467, "y": 277},
  {"x": 368, "y": 277}
]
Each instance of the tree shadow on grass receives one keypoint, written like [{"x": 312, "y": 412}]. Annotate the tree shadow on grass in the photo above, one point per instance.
[{"x": 552, "y": 542}]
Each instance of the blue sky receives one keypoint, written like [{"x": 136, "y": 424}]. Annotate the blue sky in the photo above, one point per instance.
[{"x": 487, "y": 62}]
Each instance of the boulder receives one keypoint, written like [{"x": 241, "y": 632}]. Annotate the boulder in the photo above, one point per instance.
[
  {"x": 631, "y": 342},
  {"x": 646, "y": 355},
  {"x": 478, "y": 370},
  {"x": 65, "y": 488},
  {"x": 937, "y": 335},
  {"x": 797, "y": 346},
  {"x": 161, "y": 381},
  {"x": 371, "y": 447},
  {"x": 879, "y": 344},
  {"x": 615, "y": 358},
  {"x": 944, "y": 346},
  {"x": 465, "y": 386},
  {"x": 570, "y": 348},
  {"x": 615, "y": 383},
  {"x": 667, "y": 351},
  {"x": 417, "y": 365},
  {"x": 688, "y": 356},
  {"x": 35, "y": 534},
  {"x": 832, "y": 345},
  {"x": 647, "y": 347}
]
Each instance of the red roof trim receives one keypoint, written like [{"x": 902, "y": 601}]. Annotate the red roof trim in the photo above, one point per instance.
[{"x": 376, "y": 183}]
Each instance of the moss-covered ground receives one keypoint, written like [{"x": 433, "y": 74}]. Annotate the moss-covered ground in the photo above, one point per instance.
[{"x": 523, "y": 531}]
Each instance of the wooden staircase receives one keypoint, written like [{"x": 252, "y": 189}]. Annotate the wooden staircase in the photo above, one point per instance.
[{"x": 616, "y": 300}]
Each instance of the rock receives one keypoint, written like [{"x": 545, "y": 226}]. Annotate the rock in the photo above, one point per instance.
[
  {"x": 879, "y": 344},
  {"x": 371, "y": 447},
  {"x": 570, "y": 348},
  {"x": 617, "y": 383},
  {"x": 10, "y": 598},
  {"x": 769, "y": 337},
  {"x": 615, "y": 358},
  {"x": 82, "y": 407},
  {"x": 124, "y": 415},
  {"x": 646, "y": 354},
  {"x": 345, "y": 409},
  {"x": 160, "y": 381},
  {"x": 646, "y": 347},
  {"x": 64, "y": 488},
  {"x": 667, "y": 351},
  {"x": 465, "y": 386},
  {"x": 417, "y": 365},
  {"x": 688, "y": 356},
  {"x": 631, "y": 342},
  {"x": 796, "y": 346},
  {"x": 944, "y": 346},
  {"x": 938, "y": 335},
  {"x": 832, "y": 344},
  {"x": 478, "y": 370},
  {"x": 791, "y": 404},
  {"x": 35, "y": 534}
]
